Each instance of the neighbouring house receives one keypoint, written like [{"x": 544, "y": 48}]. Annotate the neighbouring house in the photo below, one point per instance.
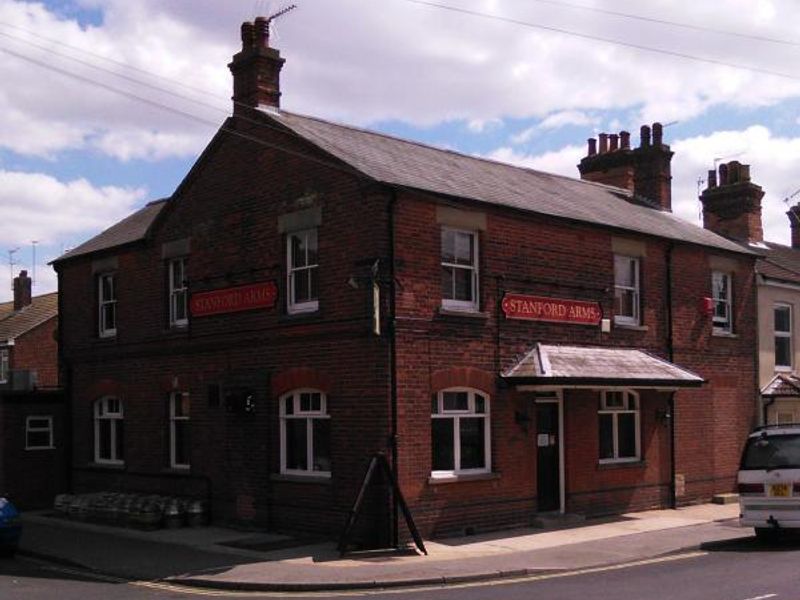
[
  {"x": 33, "y": 465},
  {"x": 515, "y": 342},
  {"x": 732, "y": 207}
]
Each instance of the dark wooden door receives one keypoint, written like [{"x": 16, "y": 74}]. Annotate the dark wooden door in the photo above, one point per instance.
[{"x": 547, "y": 458}]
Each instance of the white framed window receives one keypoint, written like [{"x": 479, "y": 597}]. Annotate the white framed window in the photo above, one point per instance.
[
  {"x": 305, "y": 433},
  {"x": 784, "y": 418},
  {"x": 619, "y": 426},
  {"x": 107, "y": 304},
  {"x": 4, "y": 365},
  {"x": 459, "y": 269},
  {"x": 302, "y": 271},
  {"x": 39, "y": 432},
  {"x": 108, "y": 431},
  {"x": 626, "y": 290},
  {"x": 723, "y": 302},
  {"x": 783, "y": 337},
  {"x": 179, "y": 441},
  {"x": 178, "y": 293},
  {"x": 460, "y": 433}
]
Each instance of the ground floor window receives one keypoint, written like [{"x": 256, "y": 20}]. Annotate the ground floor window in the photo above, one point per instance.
[
  {"x": 619, "y": 420},
  {"x": 179, "y": 444},
  {"x": 305, "y": 433},
  {"x": 460, "y": 436},
  {"x": 108, "y": 431},
  {"x": 39, "y": 433}
]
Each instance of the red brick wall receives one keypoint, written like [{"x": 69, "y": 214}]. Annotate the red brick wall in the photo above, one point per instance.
[{"x": 37, "y": 349}]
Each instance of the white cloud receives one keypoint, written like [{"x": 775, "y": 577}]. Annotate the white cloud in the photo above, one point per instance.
[
  {"x": 563, "y": 161},
  {"x": 481, "y": 125},
  {"x": 40, "y": 207}
]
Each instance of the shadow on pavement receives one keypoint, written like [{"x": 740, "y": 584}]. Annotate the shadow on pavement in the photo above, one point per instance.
[{"x": 751, "y": 543}]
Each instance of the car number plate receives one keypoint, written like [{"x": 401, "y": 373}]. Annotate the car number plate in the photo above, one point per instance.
[{"x": 779, "y": 490}]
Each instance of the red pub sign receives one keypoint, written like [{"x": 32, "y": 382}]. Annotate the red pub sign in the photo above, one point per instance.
[
  {"x": 235, "y": 299},
  {"x": 540, "y": 308}
]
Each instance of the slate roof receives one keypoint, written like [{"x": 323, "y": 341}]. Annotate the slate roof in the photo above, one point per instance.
[
  {"x": 782, "y": 385},
  {"x": 14, "y": 324},
  {"x": 130, "y": 229},
  {"x": 780, "y": 262},
  {"x": 409, "y": 164},
  {"x": 586, "y": 365}
]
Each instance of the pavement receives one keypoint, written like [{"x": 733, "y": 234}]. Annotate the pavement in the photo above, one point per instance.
[{"x": 222, "y": 558}]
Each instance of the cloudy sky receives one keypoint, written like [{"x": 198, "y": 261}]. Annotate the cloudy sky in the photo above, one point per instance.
[{"x": 105, "y": 104}]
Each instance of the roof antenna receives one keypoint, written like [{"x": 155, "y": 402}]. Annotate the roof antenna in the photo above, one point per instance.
[
  {"x": 280, "y": 13},
  {"x": 12, "y": 263}
]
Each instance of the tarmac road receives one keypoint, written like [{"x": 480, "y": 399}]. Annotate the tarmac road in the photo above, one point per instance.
[{"x": 740, "y": 569}]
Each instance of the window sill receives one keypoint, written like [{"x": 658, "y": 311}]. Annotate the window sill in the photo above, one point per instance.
[
  {"x": 724, "y": 334},
  {"x": 34, "y": 448},
  {"x": 106, "y": 466},
  {"x": 309, "y": 315},
  {"x": 459, "y": 313},
  {"x": 622, "y": 464},
  {"x": 783, "y": 369},
  {"x": 631, "y": 327},
  {"x": 460, "y": 478},
  {"x": 316, "y": 479},
  {"x": 177, "y": 471}
]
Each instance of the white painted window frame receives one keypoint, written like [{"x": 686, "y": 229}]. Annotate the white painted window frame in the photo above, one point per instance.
[
  {"x": 451, "y": 303},
  {"x": 103, "y": 302},
  {"x": 634, "y": 319},
  {"x": 785, "y": 335},
  {"x": 455, "y": 416},
  {"x": 628, "y": 397},
  {"x": 174, "y": 420},
  {"x": 5, "y": 363},
  {"x": 31, "y": 429},
  {"x": 309, "y": 416},
  {"x": 721, "y": 325},
  {"x": 294, "y": 307},
  {"x": 178, "y": 294},
  {"x": 102, "y": 412}
]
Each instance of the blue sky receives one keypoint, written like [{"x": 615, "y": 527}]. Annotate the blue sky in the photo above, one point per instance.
[{"x": 76, "y": 157}]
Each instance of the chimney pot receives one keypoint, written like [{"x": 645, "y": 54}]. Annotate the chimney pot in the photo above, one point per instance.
[
  {"x": 247, "y": 35},
  {"x": 733, "y": 172},
  {"x": 625, "y": 140},
  {"x": 712, "y": 178},
  {"x": 658, "y": 134},
  {"x": 603, "y": 143},
  {"x": 22, "y": 290},
  {"x": 261, "y": 32},
  {"x": 744, "y": 173},
  {"x": 592, "y": 146},
  {"x": 794, "y": 222},
  {"x": 614, "y": 146},
  {"x": 723, "y": 174},
  {"x": 644, "y": 133}
]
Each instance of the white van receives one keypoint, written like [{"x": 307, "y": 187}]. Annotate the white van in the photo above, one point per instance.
[{"x": 769, "y": 480}]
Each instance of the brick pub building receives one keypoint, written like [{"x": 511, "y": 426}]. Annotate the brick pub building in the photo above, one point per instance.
[{"x": 516, "y": 342}]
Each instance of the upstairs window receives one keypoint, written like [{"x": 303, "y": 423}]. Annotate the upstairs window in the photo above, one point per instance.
[
  {"x": 179, "y": 445},
  {"x": 4, "y": 368},
  {"x": 783, "y": 337},
  {"x": 107, "y": 304},
  {"x": 108, "y": 431},
  {"x": 178, "y": 293},
  {"x": 460, "y": 433},
  {"x": 619, "y": 426},
  {"x": 626, "y": 290},
  {"x": 723, "y": 302},
  {"x": 305, "y": 434},
  {"x": 459, "y": 269},
  {"x": 302, "y": 271}
]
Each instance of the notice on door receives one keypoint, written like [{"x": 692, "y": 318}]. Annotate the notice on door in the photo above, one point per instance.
[{"x": 543, "y": 440}]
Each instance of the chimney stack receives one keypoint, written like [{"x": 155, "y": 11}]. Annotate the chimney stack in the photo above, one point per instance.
[
  {"x": 645, "y": 170},
  {"x": 22, "y": 290},
  {"x": 256, "y": 69},
  {"x": 732, "y": 204},
  {"x": 794, "y": 222}
]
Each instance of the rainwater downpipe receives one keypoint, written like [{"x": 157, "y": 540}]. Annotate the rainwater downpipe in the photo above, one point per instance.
[
  {"x": 392, "y": 326},
  {"x": 673, "y": 501}
]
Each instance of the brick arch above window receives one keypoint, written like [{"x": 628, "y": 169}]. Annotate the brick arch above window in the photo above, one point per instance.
[
  {"x": 468, "y": 377},
  {"x": 104, "y": 387},
  {"x": 300, "y": 377}
]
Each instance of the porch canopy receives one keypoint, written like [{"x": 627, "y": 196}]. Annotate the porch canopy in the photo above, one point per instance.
[
  {"x": 783, "y": 385},
  {"x": 584, "y": 366}
]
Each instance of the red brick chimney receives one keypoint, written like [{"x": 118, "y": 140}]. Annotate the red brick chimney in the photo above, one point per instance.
[
  {"x": 645, "y": 170},
  {"x": 794, "y": 222},
  {"x": 732, "y": 203},
  {"x": 22, "y": 290},
  {"x": 256, "y": 69}
]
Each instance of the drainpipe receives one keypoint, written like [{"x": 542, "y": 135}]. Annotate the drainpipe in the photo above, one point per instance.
[
  {"x": 673, "y": 501},
  {"x": 392, "y": 326}
]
